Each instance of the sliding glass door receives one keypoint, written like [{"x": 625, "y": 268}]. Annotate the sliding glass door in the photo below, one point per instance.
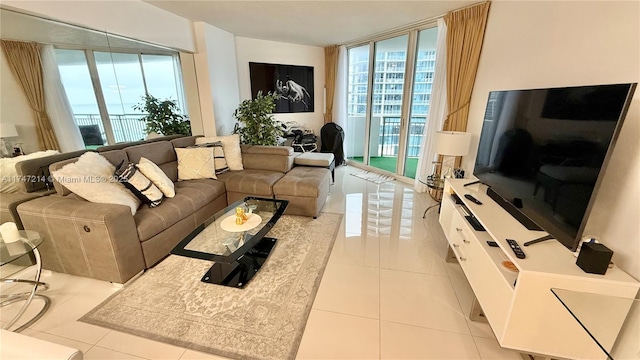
[
  {"x": 425, "y": 66},
  {"x": 357, "y": 103},
  {"x": 386, "y": 112},
  {"x": 388, "y": 100}
]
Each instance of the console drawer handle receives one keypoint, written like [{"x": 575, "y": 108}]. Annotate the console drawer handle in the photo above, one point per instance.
[
  {"x": 463, "y": 259},
  {"x": 466, "y": 241},
  {"x": 458, "y": 229},
  {"x": 456, "y": 245}
]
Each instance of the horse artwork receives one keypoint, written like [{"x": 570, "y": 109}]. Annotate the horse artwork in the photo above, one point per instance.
[{"x": 293, "y": 83}]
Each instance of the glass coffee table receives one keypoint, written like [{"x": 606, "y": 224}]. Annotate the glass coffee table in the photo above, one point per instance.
[{"x": 238, "y": 251}]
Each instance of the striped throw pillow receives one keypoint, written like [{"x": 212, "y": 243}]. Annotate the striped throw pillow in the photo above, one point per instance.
[
  {"x": 139, "y": 184},
  {"x": 219, "y": 161}
]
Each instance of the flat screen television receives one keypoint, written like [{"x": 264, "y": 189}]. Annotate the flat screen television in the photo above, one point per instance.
[{"x": 542, "y": 152}]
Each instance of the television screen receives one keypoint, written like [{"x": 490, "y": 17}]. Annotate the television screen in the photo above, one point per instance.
[{"x": 543, "y": 150}]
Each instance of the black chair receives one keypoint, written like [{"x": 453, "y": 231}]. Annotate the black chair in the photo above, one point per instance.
[
  {"x": 332, "y": 137},
  {"x": 91, "y": 135}
]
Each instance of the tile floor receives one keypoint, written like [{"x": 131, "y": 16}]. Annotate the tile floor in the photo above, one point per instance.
[{"x": 386, "y": 293}]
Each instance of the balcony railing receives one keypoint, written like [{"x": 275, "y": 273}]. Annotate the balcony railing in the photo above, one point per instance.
[
  {"x": 390, "y": 137},
  {"x": 126, "y": 127}
]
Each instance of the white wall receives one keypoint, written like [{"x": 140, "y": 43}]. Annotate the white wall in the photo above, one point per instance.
[
  {"x": 217, "y": 52},
  {"x": 134, "y": 19},
  {"x": 14, "y": 109},
  {"x": 253, "y": 50},
  {"x": 538, "y": 44}
]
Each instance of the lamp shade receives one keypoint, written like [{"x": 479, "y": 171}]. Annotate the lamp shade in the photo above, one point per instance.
[
  {"x": 453, "y": 143},
  {"x": 8, "y": 130}
]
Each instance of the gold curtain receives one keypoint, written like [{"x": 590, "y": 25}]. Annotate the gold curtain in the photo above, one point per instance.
[
  {"x": 330, "y": 70},
  {"x": 26, "y": 66},
  {"x": 465, "y": 33}
]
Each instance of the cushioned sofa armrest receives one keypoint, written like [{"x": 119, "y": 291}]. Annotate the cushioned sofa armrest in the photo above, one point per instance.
[
  {"x": 9, "y": 205},
  {"x": 270, "y": 158},
  {"x": 85, "y": 239},
  {"x": 35, "y": 172}
]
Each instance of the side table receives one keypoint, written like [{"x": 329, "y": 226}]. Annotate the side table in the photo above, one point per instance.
[
  {"x": 28, "y": 243},
  {"x": 436, "y": 184}
]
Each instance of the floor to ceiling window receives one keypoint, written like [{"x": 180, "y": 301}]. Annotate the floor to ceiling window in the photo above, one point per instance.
[
  {"x": 383, "y": 92},
  {"x": 102, "y": 88}
]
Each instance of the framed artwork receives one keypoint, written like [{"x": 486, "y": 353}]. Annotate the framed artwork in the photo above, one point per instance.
[{"x": 293, "y": 83}]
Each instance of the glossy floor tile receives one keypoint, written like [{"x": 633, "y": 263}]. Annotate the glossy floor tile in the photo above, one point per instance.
[{"x": 386, "y": 293}]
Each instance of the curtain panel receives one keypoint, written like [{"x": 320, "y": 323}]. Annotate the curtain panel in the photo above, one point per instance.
[
  {"x": 437, "y": 111},
  {"x": 330, "y": 70},
  {"x": 26, "y": 65},
  {"x": 57, "y": 103},
  {"x": 464, "y": 42}
]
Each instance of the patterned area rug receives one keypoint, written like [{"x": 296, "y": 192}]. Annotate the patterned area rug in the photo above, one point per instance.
[
  {"x": 265, "y": 320},
  {"x": 373, "y": 177}
]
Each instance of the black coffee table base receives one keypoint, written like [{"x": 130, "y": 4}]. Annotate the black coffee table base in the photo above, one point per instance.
[{"x": 240, "y": 272}]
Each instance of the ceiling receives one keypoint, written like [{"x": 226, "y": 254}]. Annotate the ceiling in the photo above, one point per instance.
[
  {"x": 314, "y": 23},
  {"x": 17, "y": 26}
]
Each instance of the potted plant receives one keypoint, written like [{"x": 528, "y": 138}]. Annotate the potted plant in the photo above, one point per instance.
[
  {"x": 256, "y": 125},
  {"x": 163, "y": 116}
]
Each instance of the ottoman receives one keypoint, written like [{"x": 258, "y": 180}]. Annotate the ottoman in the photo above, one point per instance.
[
  {"x": 325, "y": 160},
  {"x": 306, "y": 188}
]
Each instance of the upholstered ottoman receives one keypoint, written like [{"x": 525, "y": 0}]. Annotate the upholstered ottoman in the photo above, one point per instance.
[
  {"x": 306, "y": 188},
  {"x": 315, "y": 159}
]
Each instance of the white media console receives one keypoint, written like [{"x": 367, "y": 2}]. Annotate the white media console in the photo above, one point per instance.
[{"x": 519, "y": 305}]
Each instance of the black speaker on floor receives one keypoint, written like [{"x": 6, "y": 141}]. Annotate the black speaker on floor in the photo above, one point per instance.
[{"x": 594, "y": 258}]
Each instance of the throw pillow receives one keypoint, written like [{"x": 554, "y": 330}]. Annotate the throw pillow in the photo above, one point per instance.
[
  {"x": 195, "y": 163},
  {"x": 219, "y": 161},
  {"x": 91, "y": 177},
  {"x": 139, "y": 184},
  {"x": 152, "y": 171},
  {"x": 231, "y": 147}
]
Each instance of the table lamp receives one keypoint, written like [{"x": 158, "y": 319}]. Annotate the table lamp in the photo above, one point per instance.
[
  {"x": 6, "y": 131},
  {"x": 451, "y": 144}
]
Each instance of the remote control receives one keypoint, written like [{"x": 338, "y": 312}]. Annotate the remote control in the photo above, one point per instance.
[
  {"x": 516, "y": 249},
  {"x": 492, "y": 243},
  {"x": 472, "y": 199}
]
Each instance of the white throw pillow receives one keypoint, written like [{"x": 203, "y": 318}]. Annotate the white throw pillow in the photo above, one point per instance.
[
  {"x": 10, "y": 180},
  {"x": 195, "y": 163},
  {"x": 92, "y": 178},
  {"x": 231, "y": 147},
  {"x": 152, "y": 171}
]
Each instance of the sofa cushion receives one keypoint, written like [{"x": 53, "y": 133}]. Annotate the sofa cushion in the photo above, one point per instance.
[
  {"x": 257, "y": 182},
  {"x": 184, "y": 141},
  {"x": 190, "y": 196},
  {"x": 303, "y": 181},
  {"x": 160, "y": 152}
]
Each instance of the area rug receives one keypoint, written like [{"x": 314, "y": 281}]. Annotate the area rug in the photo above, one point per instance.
[
  {"x": 265, "y": 320},
  {"x": 373, "y": 177}
]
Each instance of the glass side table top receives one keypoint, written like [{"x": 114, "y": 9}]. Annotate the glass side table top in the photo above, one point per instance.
[
  {"x": 599, "y": 315},
  {"x": 11, "y": 251},
  {"x": 433, "y": 182}
]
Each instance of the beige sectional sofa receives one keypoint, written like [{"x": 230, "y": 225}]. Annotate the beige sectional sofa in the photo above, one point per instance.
[{"x": 104, "y": 241}]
